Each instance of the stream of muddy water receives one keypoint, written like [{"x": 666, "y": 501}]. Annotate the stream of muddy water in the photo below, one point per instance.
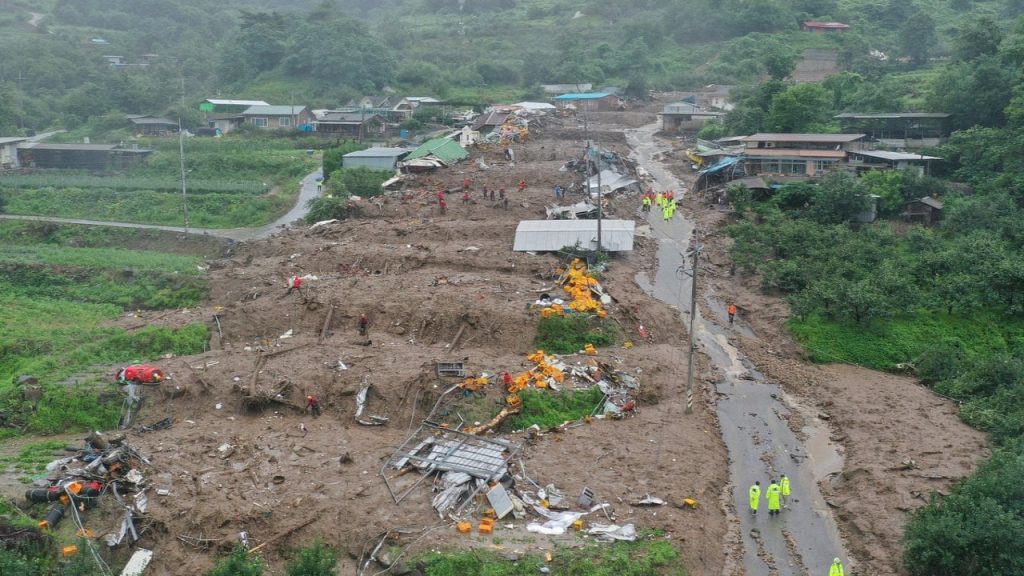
[{"x": 752, "y": 412}]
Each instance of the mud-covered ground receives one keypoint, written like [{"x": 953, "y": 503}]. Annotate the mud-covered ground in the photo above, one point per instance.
[{"x": 423, "y": 279}]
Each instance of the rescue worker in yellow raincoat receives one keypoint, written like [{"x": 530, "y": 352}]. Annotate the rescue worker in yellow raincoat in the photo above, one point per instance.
[
  {"x": 774, "y": 495},
  {"x": 755, "y": 497},
  {"x": 836, "y": 569},
  {"x": 784, "y": 484}
]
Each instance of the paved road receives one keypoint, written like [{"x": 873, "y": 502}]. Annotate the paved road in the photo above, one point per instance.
[
  {"x": 299, "y": 211},
  {"x": 803, "y": 539}
]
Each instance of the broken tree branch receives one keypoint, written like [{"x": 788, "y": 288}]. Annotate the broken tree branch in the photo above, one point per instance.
[{"x": 286, "y": 533}]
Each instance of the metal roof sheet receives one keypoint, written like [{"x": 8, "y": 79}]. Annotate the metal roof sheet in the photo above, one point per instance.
[
  {"x": 583, "y": 96},
  {"x": 791, "y": 152},
  {"x": 268, "y": 110},
  {"x": 216, "y": 102},
  {"x": 151, "y": 120},
  {"x": 777, "y": 137},
  {"x": 42, "y": 146},
  {"x": 12, "y": 139},
  {"x": 551, "y": 235},
  {"x": 445, "y": 149},
  {"x": 492, "y": 118},
  {"x": 377, "y": 153},
  {"x": 929, "y": 201},
  {"x": 887, "y": 155}
]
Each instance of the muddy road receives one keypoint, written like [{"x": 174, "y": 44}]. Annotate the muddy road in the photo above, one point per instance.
[{"x": 753, "y": 413}]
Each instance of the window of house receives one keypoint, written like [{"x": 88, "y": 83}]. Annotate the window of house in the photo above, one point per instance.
[
  {"x": 259, "y": 122},
  {"x": 284, "y": 122},
  {"x": 823, "y": 165}
]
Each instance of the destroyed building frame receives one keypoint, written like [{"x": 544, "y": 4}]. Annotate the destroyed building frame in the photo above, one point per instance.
[{"x": 433, "y": 449}]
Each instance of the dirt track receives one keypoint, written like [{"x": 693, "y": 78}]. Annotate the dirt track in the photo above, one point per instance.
[{"x": 420, "y": 277}]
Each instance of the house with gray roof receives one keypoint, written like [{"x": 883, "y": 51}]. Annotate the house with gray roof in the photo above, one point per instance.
[{"x": 277, "y": 117}]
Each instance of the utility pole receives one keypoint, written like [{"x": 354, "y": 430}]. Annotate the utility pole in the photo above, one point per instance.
[
  {"x": 586, "y": 136},
  {"x": 599, "y": 198},
  {"x": 181, "y": 155},
  {"x": 694, "y": 251}
]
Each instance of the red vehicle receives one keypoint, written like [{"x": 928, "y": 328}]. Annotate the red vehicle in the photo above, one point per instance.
[{"x": 140, "y": 374}]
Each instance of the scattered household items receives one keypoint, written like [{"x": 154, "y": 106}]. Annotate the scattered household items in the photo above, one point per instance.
[
  {"x": 107, "y": 467},
  {"x": 364, "y": 391},
  {"x": 451, "y": 369}
]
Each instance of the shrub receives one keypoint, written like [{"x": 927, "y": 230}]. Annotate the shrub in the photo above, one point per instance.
[
  {"x": 314, "y": 560},
  {"x": 239, "y": 563},
  {"x": 569, "y": 334},
  {"x": 550, "y": 409},
  {"x": 940, "y": 362},
  {"x": 328, "y": 208}
]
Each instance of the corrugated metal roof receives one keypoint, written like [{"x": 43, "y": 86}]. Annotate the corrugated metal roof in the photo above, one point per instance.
[
  {"x": 42, "y": 146},
  {"x": 445, "y": 149},
  {"x": 216, "y": 102},
  {"x": 343, "y": 117},
  {"x": 535, "y": 105},
  {"x": 150, "y": 120},
  {"x": 776, "y": 137},
  {"x": 688, "y": 108},
  {"x": 583, "y": 96},
  {"x": 552, "y": 235},
  {"x": 887, "y": 155},
  {"x": 556, "y": 88},
  {"x": 377, "y": 153},
  {"x": 929, "y": 201},
  {"x": 492, "y": 118},
  {"x": 884, "y": 115},
  {"x": 268, "y": 110},
  {"x": 791, "y": 152}
]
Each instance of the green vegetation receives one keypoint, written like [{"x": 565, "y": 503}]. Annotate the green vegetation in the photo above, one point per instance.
[
  {"x": 34, "y": 457},
  {"x": 313, "y": 560},
  {"x": 569, "y": 334},
  {"x": 58, "y": 287},
  {"x": 948, "y": 300},
  {"x": 232, "y": 182},
  {"x": 548, "y": 409},
  {"x": 647, "y": 556},
  {"x": 239, "y": 563}
]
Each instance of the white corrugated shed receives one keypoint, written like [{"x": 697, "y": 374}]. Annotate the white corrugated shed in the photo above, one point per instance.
[{"x": 552, "y": 235}]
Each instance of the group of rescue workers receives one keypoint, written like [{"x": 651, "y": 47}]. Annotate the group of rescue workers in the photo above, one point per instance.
[
  {"x": 486, "y": 194},
  {"x": 666, "y": 201},
  {"x": 777, "y": 494}
]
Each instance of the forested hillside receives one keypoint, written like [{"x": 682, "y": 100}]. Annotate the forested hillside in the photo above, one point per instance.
[{"x": 55, "y": 73}]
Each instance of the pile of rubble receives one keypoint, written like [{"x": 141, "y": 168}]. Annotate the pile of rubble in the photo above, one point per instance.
[{"x": 107, "y": 468}]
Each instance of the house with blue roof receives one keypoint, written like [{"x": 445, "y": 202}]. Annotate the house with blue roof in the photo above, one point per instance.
[{"x": 589, "y": 101}]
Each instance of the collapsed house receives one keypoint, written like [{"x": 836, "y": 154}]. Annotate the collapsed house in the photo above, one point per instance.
[{"x": 433, "y": 154}]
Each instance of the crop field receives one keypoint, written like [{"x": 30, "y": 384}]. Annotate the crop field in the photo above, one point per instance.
[
  {"x": 231, "y": 183},
  {"x": 54, "y": 304}
]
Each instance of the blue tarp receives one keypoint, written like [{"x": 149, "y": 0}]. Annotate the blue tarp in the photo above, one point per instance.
[{"x": 719, "y": 166}]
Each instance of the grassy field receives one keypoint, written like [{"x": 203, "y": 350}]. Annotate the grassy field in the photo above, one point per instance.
[
  {"x": 232, "y": 182},
  {"x": 54, "y": 302},
  {"x": 884, "y": 343}
]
